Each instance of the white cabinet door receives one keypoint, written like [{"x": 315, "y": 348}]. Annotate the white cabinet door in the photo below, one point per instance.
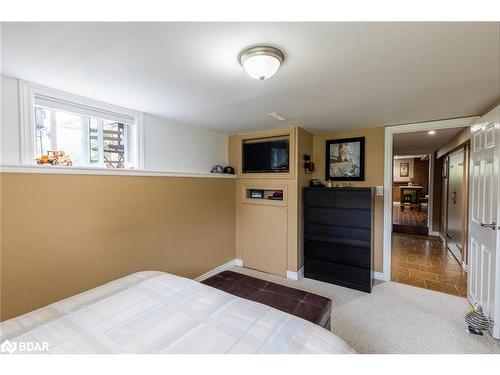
[
  {"x": 484, "y": 265},
  {"x": 264, "y": 237}
]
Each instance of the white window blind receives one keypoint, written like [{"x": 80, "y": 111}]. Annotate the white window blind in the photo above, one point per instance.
[{"x": 62, "y": 105}]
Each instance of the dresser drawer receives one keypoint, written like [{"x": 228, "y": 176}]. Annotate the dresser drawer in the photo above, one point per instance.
[
  {"x": 327, "y": 233},
  {"x": 319, "y": 198},
  {"x": 340, "y": 274},
  {"x": 353, "y": 199},
  {"x": 340, "y": 217},
  {"x": 338, "y": 253}
]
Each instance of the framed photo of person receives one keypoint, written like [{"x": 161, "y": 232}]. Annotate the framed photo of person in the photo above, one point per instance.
[
  {"x": 345, "y": 159},
  {"x": 404, "y": 170}
]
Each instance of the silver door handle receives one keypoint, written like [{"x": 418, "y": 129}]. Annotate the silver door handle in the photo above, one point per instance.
[{"x": 492, "y": 226}]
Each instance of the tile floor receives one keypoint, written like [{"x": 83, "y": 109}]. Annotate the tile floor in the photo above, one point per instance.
[
  {"x": 409, "y": 217},
  {"x": 423, "y": 261}
]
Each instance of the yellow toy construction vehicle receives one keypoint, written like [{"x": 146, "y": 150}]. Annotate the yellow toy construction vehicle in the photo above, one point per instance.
[{"x": 55, "y": 158}]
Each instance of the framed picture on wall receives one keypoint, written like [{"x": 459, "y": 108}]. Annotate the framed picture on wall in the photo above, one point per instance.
[
  {"x": 404, "y": 170},
  {"x": 345, "y": 159}
]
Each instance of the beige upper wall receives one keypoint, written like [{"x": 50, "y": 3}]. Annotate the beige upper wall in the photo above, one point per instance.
[
  {"x": 63, "y": 234},
  {"x": 374, "y": 173}
]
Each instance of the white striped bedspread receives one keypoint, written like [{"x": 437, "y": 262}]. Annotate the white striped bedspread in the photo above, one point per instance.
[{"x": 156, "y": 312}]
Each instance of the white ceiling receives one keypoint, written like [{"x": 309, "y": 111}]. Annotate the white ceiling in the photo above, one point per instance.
[
  {"x": 422, "y": 143},
  {"x": 335, "y": 76}
]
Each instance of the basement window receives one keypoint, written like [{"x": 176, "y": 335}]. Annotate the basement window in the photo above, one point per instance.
[{"x": 65, "y": 130}]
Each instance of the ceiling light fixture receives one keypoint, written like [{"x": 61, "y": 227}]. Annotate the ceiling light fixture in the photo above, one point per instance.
[
  {"x": 261, "y": 62},
  {"x": 431, "y": 132}
]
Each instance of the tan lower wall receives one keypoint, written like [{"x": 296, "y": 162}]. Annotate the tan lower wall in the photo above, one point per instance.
[
  {"x": 63, "y": 234},
  {"x": 374, "y": 174}
]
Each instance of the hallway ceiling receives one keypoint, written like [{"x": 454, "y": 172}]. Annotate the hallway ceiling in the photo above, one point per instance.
[
  {"x": 422, "y": 143},
  {"x": 335, "y": 75}
]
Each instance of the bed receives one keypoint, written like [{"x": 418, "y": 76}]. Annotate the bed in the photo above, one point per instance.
[{"x": 156, "y": 312}]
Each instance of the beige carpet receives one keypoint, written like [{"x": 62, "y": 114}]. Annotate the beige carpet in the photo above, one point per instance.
[{"x": 395, "y": 318}]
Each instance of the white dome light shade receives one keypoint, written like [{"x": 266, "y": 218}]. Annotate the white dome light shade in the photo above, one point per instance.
[
  {"x": 261, "y": 62},
  {"x": 261, "y": 66}
]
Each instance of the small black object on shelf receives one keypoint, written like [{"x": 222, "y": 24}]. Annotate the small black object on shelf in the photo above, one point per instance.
[
  {"x": 277, "y": 195},
  {"x": 315, "y": 183},
  {"x": 228, "y": 170},
  {"x": 217, "y": 169}
]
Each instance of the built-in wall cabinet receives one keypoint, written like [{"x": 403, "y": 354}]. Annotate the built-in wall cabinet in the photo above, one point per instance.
[{"x": 268, "y": 217}]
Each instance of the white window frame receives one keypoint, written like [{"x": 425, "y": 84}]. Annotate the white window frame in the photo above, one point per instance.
[{"x": 27, "y": 93}]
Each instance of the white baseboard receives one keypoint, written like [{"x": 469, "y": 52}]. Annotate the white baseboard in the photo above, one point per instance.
[
  {"x": 435, "y": 234},
  {"x": 289, "y": 274},
  {"x": 295, "y": 275},
  {"x": 216, "y": 270}
]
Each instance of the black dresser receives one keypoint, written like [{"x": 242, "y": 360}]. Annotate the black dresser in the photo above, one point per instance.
[{"x": 338, "y": 236}]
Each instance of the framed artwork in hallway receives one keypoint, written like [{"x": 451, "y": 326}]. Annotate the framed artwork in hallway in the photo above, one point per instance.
[{"x": 404, "y": 169}]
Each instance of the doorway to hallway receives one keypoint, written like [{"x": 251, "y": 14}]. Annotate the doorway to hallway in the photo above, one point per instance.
[{"x": 429, "y": 210}]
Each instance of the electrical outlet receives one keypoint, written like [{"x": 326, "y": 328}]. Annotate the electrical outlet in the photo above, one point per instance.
[{"x": 380, "y": 191}]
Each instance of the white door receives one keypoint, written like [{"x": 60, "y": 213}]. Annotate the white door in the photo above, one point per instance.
[
  {"x": 484, "y": 261},
  {"x": 456, "y": 203}
]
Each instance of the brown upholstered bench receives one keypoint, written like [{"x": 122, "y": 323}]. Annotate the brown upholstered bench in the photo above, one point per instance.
[{"x": 308, "y": 306}]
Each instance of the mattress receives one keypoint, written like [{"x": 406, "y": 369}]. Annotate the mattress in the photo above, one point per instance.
[{"x": 156, "y": 312}]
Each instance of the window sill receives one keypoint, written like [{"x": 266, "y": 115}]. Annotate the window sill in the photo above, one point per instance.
[{"x": 49, "y": 169}]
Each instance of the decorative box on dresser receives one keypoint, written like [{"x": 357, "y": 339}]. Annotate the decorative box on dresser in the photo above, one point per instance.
[{"x": 338, "y": 236}]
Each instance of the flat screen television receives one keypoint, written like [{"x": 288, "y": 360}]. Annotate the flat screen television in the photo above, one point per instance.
[{"x": 266, "y": 155}]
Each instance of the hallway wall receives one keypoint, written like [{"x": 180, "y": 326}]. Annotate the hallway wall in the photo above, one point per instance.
[{"x": 421, "y": 174}]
